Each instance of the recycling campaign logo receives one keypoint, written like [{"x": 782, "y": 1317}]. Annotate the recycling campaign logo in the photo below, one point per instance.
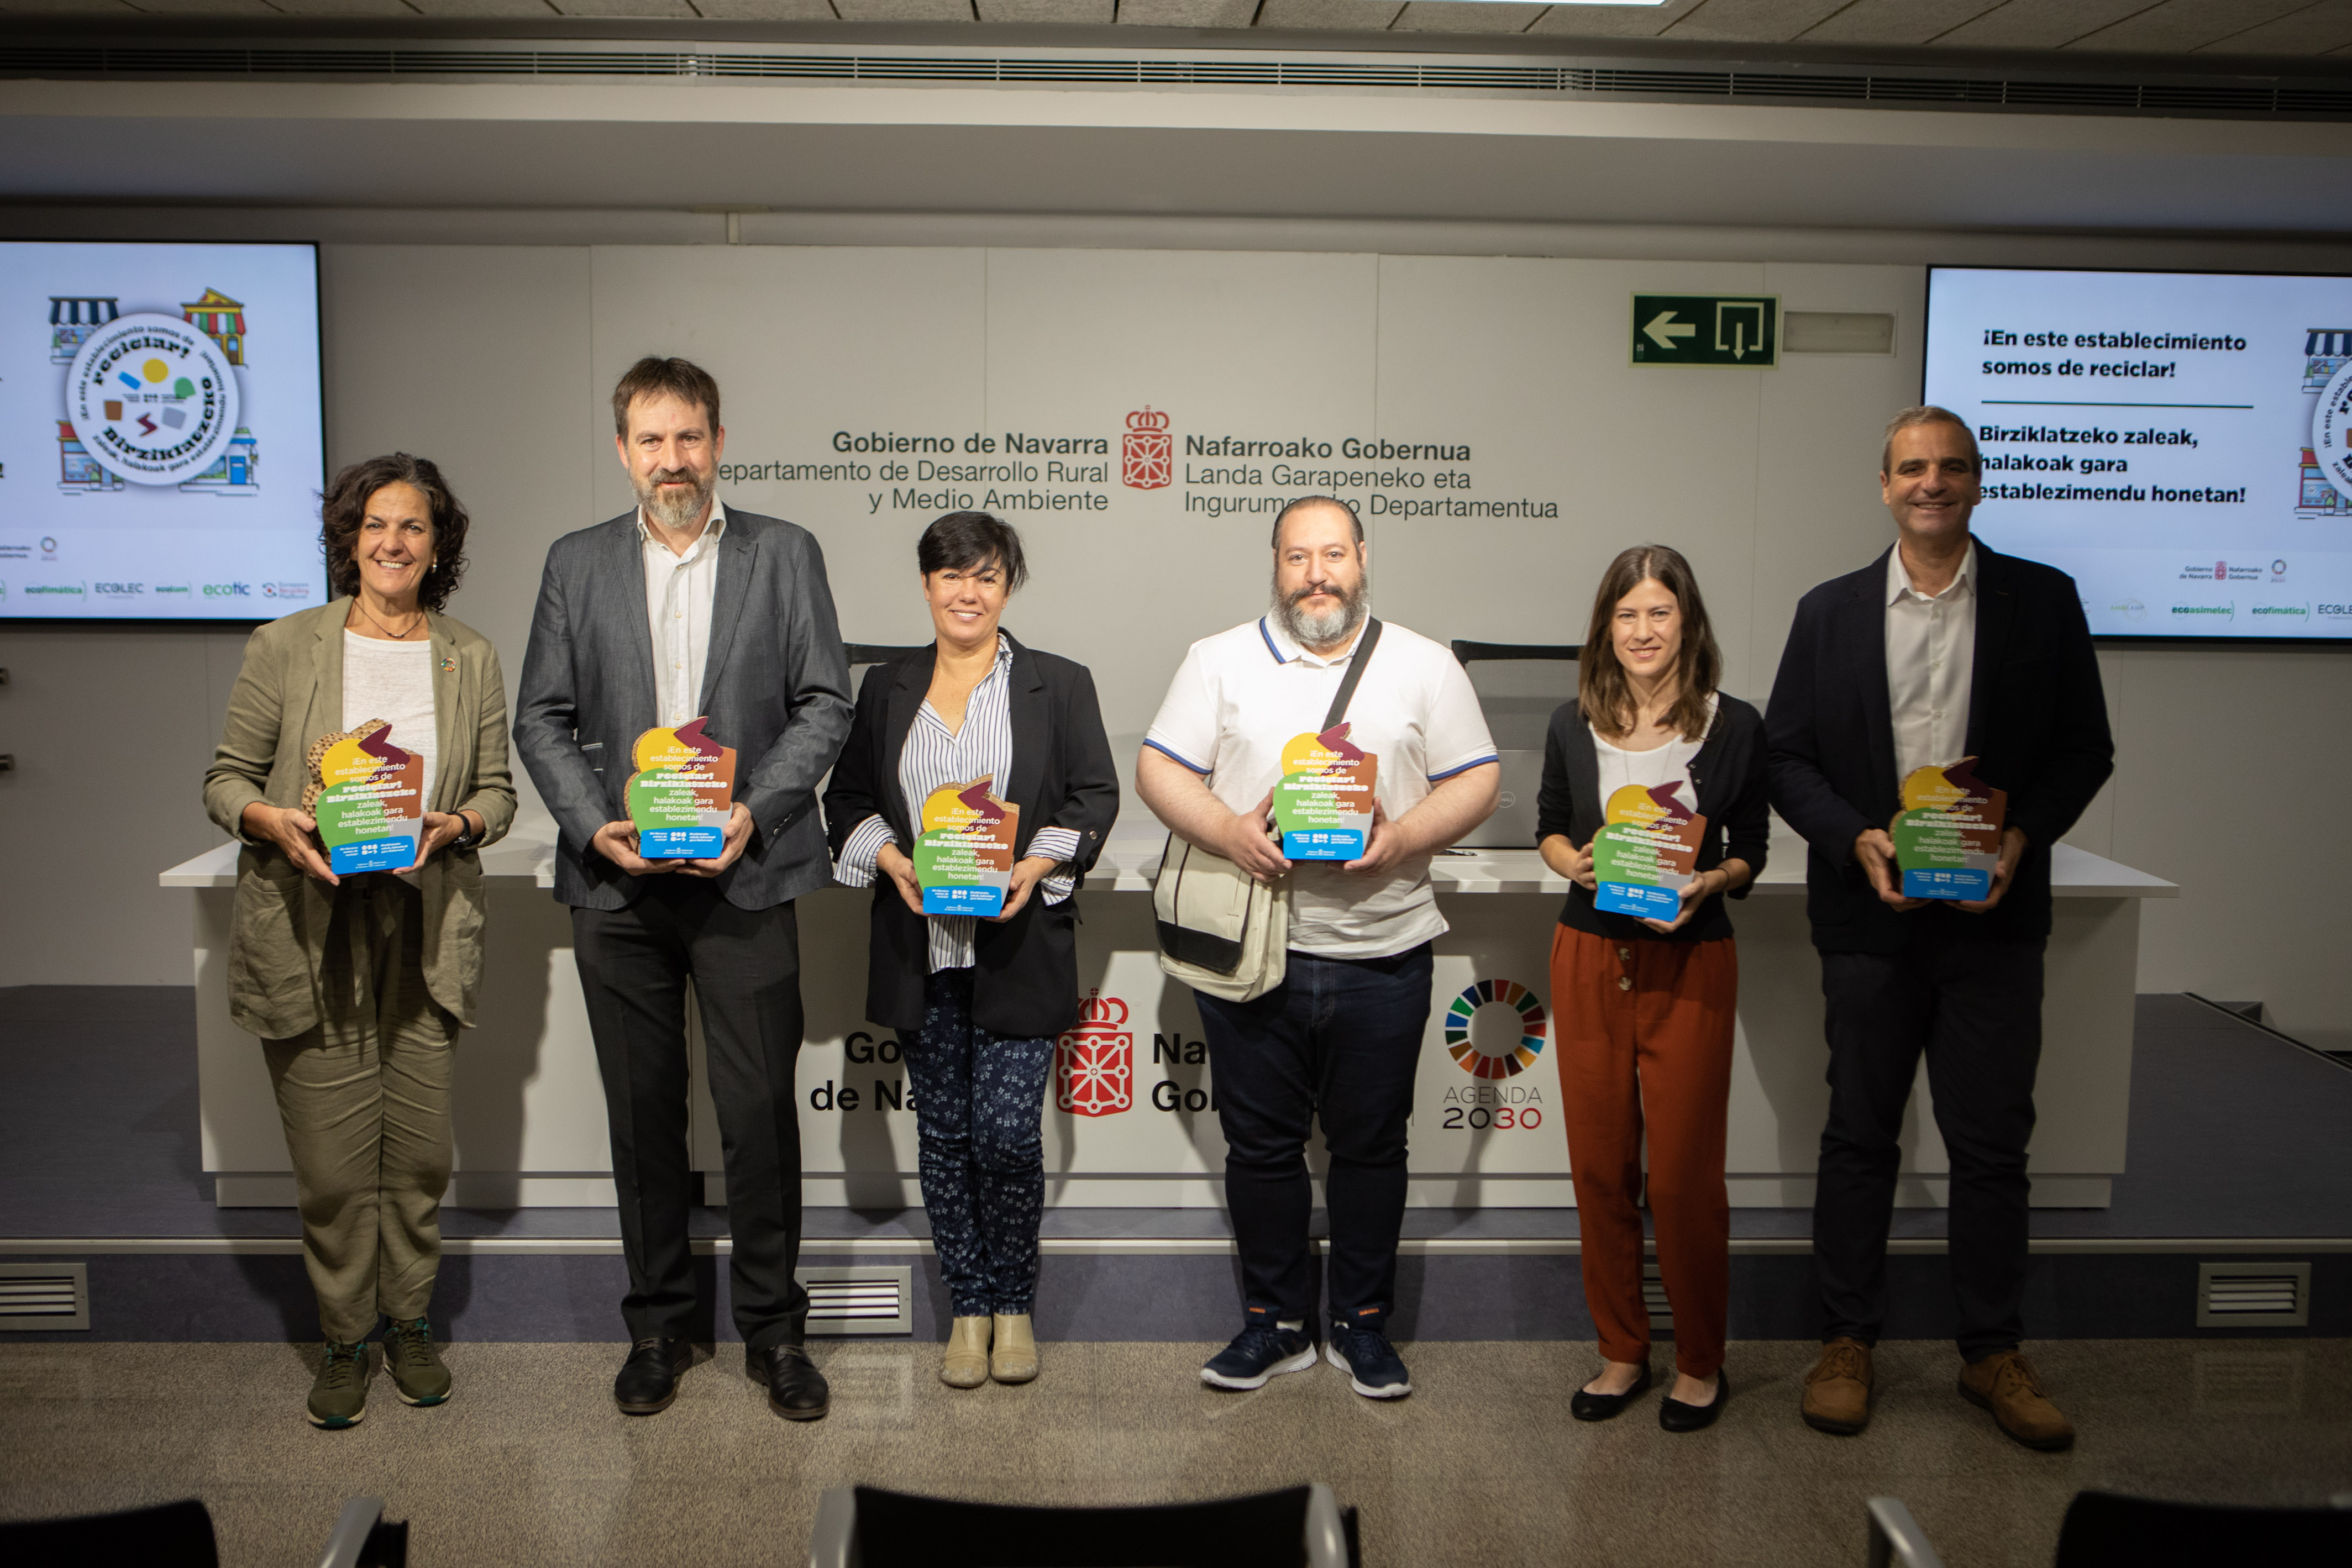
[{"x": 152, "y": 399}]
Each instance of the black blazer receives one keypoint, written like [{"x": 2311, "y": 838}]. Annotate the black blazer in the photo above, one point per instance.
[
  {"x": 1026, "y": 970},
  {"x": 2037, "y": 721},
  {"x": 1727, "y": 775}
]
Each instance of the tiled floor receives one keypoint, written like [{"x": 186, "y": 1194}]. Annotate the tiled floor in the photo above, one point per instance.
[{"x": 530, "y": 1464}]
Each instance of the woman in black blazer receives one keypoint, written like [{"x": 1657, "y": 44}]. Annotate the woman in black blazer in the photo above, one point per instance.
[
  {"x": 1644, "y": 1007},
  {"x": 977, "y": 999}
]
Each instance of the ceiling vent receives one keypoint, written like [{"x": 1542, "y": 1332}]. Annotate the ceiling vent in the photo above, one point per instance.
[
  {"x": 2254, "y": 1295},
  {"x": 37, "y": 1297}
]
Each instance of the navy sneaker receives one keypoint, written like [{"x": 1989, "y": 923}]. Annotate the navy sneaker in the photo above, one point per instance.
[
  {"x": 1373, "y": 1367},
  {"x": 1259, "y": 1351}
]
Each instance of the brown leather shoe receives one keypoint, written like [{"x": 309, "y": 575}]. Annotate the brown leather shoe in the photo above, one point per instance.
[
  {"x": 1837, "y": 1390},
  {"x": 2004, "y": 1383}
]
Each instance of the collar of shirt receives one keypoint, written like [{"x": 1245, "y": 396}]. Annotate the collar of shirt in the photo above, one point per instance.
[
  {"x": 703, "y": 545},
  {"x": 1898, "y": 580},
  {"x": 1287, "y": 649}
]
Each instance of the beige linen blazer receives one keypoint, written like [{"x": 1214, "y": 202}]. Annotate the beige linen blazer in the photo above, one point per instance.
[{"x": 290, "y": 692}]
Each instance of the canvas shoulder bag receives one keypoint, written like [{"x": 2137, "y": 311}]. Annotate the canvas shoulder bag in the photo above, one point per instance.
[{"x": 1220, "y": 929}]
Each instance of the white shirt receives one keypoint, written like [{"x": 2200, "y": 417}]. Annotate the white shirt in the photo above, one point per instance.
[
  {"x": 678, "y": 594},
  {"x": 394, "y": 682},
  {"x": 1240, "y": 695},
  {"x": 1931, "y": 646},
  {"x": 1659, "y": 765},
  {"x": 933, "y": 755}
]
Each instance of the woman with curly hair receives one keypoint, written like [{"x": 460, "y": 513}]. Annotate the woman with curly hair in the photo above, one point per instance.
[{"x": 357, "y": 982}]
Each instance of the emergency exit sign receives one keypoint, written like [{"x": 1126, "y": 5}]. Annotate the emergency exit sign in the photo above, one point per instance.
[{"x": 1737, "y": 329}]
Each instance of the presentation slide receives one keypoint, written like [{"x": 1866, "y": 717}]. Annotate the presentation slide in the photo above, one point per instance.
[
  {"x": 2180, "y": 443},
  {"x": 161, "y": 443}
]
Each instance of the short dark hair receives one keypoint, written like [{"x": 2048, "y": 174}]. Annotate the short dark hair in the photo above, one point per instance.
[
  {"x": 652, "y": 377},
  {"x": 343, "y": 508},
  {"x": 1283, "y": 516},
  {"x": 1926, "y": 413},
  {"x": 963, "y": 541}
]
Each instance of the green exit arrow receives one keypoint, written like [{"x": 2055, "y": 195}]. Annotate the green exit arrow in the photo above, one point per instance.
[{"x": 1739, "y": 330}]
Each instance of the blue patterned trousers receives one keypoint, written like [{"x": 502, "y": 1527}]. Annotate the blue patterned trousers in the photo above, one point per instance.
[{"x": 979, "y": 1102}]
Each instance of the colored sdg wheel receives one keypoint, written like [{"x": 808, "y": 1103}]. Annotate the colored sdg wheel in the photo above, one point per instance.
[{"x": 1509, "y": 1063}]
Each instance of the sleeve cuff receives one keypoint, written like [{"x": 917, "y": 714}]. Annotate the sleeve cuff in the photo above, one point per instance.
[
  {"x": 855, "y": 867},
  {"x": 1168, "y": 751},
  {"x": 1059, "y": 844}
]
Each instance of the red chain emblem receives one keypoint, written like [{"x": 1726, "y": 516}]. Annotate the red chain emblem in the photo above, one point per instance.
[
  {"x": 1147, "y": 455},
  {"x": 1095, "y": 1063}
]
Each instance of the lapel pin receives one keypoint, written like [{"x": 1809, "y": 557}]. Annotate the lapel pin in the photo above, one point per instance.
[{"x": 448, "y": 664}]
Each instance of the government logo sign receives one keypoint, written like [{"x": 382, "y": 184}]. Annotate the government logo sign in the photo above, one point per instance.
[
  {"x": 1094, "y": 1064},
  {"x": 152, "y": 399},
  {"x": 1147, "y": 454}
]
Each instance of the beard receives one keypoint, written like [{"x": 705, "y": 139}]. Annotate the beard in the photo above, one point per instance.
[
  {"x": 1320, "y": 630},
  {"x": 673, "y": 510}
]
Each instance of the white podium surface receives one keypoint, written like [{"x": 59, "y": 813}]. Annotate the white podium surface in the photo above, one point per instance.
[{"x": 1130, "y": 1118}]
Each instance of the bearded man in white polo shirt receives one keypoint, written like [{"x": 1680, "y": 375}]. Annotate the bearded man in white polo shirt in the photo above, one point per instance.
[{"x": 1340, "y": 1037}]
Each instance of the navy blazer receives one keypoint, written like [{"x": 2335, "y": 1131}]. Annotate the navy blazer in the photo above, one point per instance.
[
  {"x": 1024, "y": 970},
  {"x": 775, "y": 686},
  {"x": 2037, "y": 723}
]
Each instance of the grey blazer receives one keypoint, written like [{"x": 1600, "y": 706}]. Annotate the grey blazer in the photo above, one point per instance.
[{"x": 775, "y": 685}]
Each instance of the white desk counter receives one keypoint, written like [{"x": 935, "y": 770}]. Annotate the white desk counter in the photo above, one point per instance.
[{"x": 1130, "y": 1118}]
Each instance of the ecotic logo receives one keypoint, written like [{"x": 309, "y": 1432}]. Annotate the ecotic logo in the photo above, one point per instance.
[
  {"x": 1094, "y": 1064},
  {"x": 1519, "y": 1053},
  {"x": 228, "y": 590},
  {"x": 1147, "y": 454}
]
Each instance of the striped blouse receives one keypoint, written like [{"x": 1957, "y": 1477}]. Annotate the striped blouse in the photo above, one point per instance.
[{"x": 934, "y": 756}]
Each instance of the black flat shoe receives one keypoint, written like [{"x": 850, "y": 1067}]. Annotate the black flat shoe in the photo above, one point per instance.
[
  {"x": 796, "y": 1389},
  {"x": 1601, "y": 1406},
  {"x": 647, "y": 1380},
  {"x": 1676, "y": 1416}
]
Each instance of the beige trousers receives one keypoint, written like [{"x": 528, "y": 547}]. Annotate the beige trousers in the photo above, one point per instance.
[{"x": 365, "y": 1097}]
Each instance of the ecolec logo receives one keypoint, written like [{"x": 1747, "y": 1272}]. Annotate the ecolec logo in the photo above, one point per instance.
[
  {"x": 1094, "y": 1064},
  {"x": 1520, "y": 1054},
  {"x": 1147, "y": 455}
]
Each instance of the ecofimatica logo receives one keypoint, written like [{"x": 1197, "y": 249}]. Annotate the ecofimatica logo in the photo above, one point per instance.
[
  {"x": 2227, "y": 611},
  {"x": 2297, "y": 610},
  {"x": 56, "y": 589}
]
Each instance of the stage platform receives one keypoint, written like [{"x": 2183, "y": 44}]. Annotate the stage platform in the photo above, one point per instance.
[{"x": 2238, "y": 1153}]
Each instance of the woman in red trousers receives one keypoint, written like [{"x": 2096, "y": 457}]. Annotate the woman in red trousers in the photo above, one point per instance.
[{"x": 1644, "y": 1005}]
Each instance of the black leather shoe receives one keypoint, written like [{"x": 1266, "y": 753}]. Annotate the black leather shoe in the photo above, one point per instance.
[
  {"x": 1601, "y": 1406},
  {"x": 648, "y": 1379},
  {"x": 1676, "y": 1416},
  {"x": 796, "y": 1389}
]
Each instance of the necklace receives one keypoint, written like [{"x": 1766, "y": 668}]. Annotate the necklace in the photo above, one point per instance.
[{"x": 396, "y": 636}]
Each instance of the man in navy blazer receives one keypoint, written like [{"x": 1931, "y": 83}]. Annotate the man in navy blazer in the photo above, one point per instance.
[
  {"x": 676, "y": 610},
  {"x": 1939, "y": 649}
]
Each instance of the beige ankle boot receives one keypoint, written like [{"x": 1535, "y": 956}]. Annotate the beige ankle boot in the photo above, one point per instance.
[
  {"x": 1014, "y": 1359},
  {"x": 965, "y": 1366}
]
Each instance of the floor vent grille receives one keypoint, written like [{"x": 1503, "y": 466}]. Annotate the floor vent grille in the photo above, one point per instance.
[
  {"x": 2254, "y": 1295},
  {"x": 860, "y": 1300},
  {"x": 41, "y": 1297},
  {"x": 1653, "y": 1296}
]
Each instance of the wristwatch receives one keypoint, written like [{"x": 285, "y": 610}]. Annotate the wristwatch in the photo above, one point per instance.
[{"x": 466, "y": 838}]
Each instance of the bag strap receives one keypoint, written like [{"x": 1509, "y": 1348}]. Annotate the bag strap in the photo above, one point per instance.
[{"x": 1363, "y": 655}]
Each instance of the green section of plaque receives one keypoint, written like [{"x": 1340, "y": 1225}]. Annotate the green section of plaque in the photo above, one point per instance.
[
  {"x": 1738, "y": 331},
  {"x": 1930, "y": 840},
  {"x": 1625, "y": 853},
  {"x": 663, "y": 798}
]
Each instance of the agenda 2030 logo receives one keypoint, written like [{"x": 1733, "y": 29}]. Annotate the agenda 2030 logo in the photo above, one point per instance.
[{"x": 1497, "y": 1102}]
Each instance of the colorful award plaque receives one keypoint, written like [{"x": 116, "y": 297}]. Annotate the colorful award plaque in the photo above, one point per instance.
[
  {"x": 1644, "y": 855},
  {"x": 1948, "y": 835},
  {"x": 1323, "y": 806},
  {"x": 367, "y": 796},
  {"x": 681, "y": 794},
  {"x": 963, "y": 857}
]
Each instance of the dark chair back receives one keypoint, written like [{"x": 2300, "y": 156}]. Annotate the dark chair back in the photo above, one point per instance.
[
  {"x": 2107, "y": 1529},
  {"x": 876, "y": 1528},
  {"x": 176, "y": 1535}
]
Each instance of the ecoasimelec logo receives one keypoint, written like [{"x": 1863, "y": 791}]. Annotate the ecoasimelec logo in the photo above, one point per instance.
[
  {"x": 1495, "y": 1103},
  {"x": 1094, "y": 1064}
]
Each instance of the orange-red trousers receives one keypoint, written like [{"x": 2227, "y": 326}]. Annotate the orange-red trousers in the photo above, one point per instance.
[{"x": 1645, "y": 1032}]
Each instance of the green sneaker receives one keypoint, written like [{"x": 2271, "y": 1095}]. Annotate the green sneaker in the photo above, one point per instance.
[
  {"x": 417, "y": 1375},
  {"x": 338, "y": 1396}
]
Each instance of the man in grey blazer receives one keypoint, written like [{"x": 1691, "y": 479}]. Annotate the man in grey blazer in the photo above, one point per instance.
[{"x": 680, "y": 609}]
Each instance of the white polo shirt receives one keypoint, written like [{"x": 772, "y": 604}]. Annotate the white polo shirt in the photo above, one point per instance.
[{"x": 1240, "y": 695}]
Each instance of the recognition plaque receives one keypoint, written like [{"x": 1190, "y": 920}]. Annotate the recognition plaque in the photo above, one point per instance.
[
  {"x": 1644, "y": 855},
  {"x": 681, "y": 793},
  {"x": 1947, "y": 835},
  {"x": 1323, "y": 805},
  {"x": 367, "y": 796},
  {"x": 964, "y": 856}
]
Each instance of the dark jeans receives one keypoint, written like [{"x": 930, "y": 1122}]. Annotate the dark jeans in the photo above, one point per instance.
[
  {"x": 746, "y": 968},
  {"x": 979, "y": 1101},
  {"x": 1338, "y": 1040},
  {"x": 1974, "y": 1007}
]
